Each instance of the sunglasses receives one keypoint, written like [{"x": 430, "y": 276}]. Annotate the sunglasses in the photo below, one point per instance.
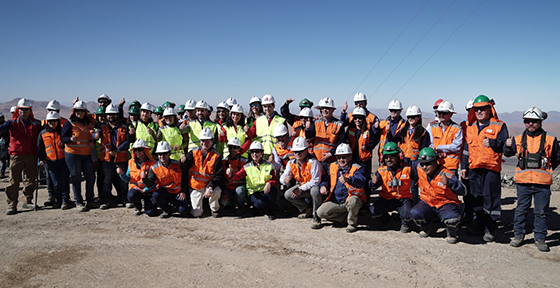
[
  {"x": 24, "y": 109},
  {"x": 298, "y": 152},
  {"x": 52, "y": 121},
  {"x": 138, "y": 150},
  {"x": 442, "y": 113},
  {"x": 531, "y": 121},
  {"x": 256, "y": 151},
  {"x": 360, "y": 103},
  {"x": 412, "y": 117},
  {"x": 478, "y": 109},
  {"x": 359, "y": 118},
  {"x": 233, "y": 147},
  {"x": 425, "y": 164},
  {"x": 394, "y": 110},
  {"x": 255, "y": 104}
]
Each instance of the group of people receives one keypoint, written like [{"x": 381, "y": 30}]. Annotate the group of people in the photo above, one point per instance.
[{"x": 167, "y": 159}]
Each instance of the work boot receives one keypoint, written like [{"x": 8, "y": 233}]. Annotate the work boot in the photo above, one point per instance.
[
  {"x": 307, "y": 213},
  {"x": 516, "y": 242},
  {"x": 11, "y": 211},
  {"x": 56, "y": 205},
  {"x": 27, "y": 206},
  {"x": 65, "y": 206},
  {"x": 129, "y": 205},
  {"x": 239, "y": 213},
  {"x": 49, "y": 202},
  {"x": 404, "y": 227},
  {"x": 2, "y": 174},
  {"x": 215, "y": 214},
  {"x": 271, "y": 217},
  {"x": 316, "y": 224},
  {"x": 103, "y": 206},
  {"x": 165, "y": 214},
  {"x": 488, "y": 237},
  {"x": 81, "y": 208},
  {"x": 137, "y": 211},
  {"x": 351, "y": 229},
  {"x": 542, "y": 246},
  {"x": 452, "y": 226}
]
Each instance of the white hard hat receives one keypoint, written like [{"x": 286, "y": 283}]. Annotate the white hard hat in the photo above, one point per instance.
[
  {"x": 343, "y": 149},
  {"x": 535, "y": 113},
  {"x": 299, "y": 144},
  {"x": 279, "y": 130},
  {"x": 163, "y": 147},
  {"x": 223, "y": 105},
  {"x": 234, "y": 141},
  {"x": 53, "y": 105},
  {"x": 104, "y": 96},
  {"x": 395, "y": 105},
  {"x": 256, "y": 145},
  {"x": 268, "y": 99},
  {"x": 140, "y": 143},
  {"x": 202, "y": 105},
  {"x": 53, "y": 115},
  {"x": 413, "y": 111},
  {"x": 306, "y": 112},
  {"x": 24, "y": 103},
  {"x": 80, "y": 105},
  {"x": 231, "y": 101},
  {"x": 237, "y": 108},
  {"x": 190, "y": 105},
  {"x": 254, "y": 99},
  {"x": 13, "y": 109},
  {"x": 111, "y": 109},
  {"x": 326, "y": 102},
  {"x": 147, "y": 106},
  {"x": 206, "y": 134},
  {"x": 359, "y": 111},
  {"x": 169, "y": 112},
  {"x": 469, "y": 104},
  {"x": 446, "y": 106},
  {"x": 360, "y": 97}
]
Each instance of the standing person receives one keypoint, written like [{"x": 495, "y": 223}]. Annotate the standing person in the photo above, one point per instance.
[
  {"x": 486, "y": 136},
  {"x": 24, "y": 131},
  {"x": 100, "y": 119},
  {"x": 53, "y": 106},
  {"x": 255, "y": 111},
  {"x": 438, "y": 197},
  {"x": 202, "y": 121},
  {"x": 326, "y": 133},
  {"x": 468, "y": 200},
  {"x": 145, "y": 127},
  {"x": 538, "y": 155},
  {"x": 264, "y": 125},
  {"x": 133, "y": 114},
  {"x": 171, "y": 133},
  {"x": 234, "y": 190},
  {"x": 390, "y": 128},
  {"x": 446, "y": 136},
  {"x": 292, "y": 119},
  {"x": 4, "y": 145},
  {"x": 51, "y": 152},
  {"x": 360, "y": 100},
  {"x": 345, "y": 181},
  {"x": 158, "y": 115},
  {"x": 190, "y": 114},
  {"x": 234, "y": 128},
  {"x": 222, "y": 118},
  {"x": 362, "y": 138},
  {"x": 79, "y": 153}
]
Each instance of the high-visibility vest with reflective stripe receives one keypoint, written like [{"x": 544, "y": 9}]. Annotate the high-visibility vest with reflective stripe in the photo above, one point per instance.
[
  {"x": 370, "y": 119},
  {"x": 480, "y": 156},
  {"x": 122, "y": 134},
  {"x": 194, "y": 132},
  {"x": 435, "y": 193},
  {"x": 235, "y": 165},
  {"x": 257, "y": 177},
  {"x": 173, "y": 136},
  {"x": 542, "y": 176},
  {"x": 301, "y": 173},
  {"x": 264, "y": 131},
  {"x": 44, "y": 123},
  {"x": 142, "y": 133},
  {"x": 363, "y": 139},
  {"x": 325, "y": 137},
  {"x": 402, "y": 175},
  {"x": 202, "y": 170},
  {"x": 411, "y": 148},
  {"x": 352, "y": 191},
  {"x": 169, "y": 177},
  {"x": 238, "y": 132},
  {"x": 452, "y": 159},
  {"x": 385, "y": 129},
  {"x": 52, "y": 149},
  {"x": 84, "y": 137},
  {"x": 135, "y": 172},
  {"x": 285, "y": 154}
]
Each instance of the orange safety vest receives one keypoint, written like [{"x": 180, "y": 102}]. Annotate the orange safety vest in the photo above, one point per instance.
[
  {"x": 122, "y": 134},
  {"x": 434, "y": 193},
  {"x": 399, "y": 192},
  {"x": 325, "y": 137},
  {"x": 385, "y": 128},
  {"x": 84, "y": 137},
  {"x": 302, "y": 173},
  {"x": 61, "y": 121},
  {"x": 543, "y": 175},
  {"x": 352, "y": 191},
  {"x": 235, "y": 165},
  {"x": 52, "y": 149},
  {"x": 202, "y": 171},
  {"x": 135, "y": 171},
  {"x": 285, "y": 154},
  {"x": 452, "y": 159},
  {"x": 363, "y": 139},
  {"x": 169, "y": 177},
  {"x": 411, "y": 148},
  {"x": 480, "y": 156},
  {"x": 370, "y": 119},
  {"x": 297, "y": 129}
]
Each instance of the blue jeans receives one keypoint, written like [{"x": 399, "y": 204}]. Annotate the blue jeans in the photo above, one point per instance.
[
  {"x": 162, "y": 198},
  {"x": 111, "y": 178},
  {"x": 78, "y": 164},
  {"x": 59, "y": 174},
  {"x": 525, "y": 193},
  {"x": 135, "y": 197},
  {"x": 382, "y": 206},
  {"x": 238, "y": 194},
  {"x": 261, "y": 200},
  {"x": 422, "y": 212}
]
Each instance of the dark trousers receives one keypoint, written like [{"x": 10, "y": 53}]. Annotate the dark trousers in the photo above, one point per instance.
[
  {"x": 421, "y": 213},
  {"x": 111, "y": 178},
  {"x": 525, "y": 193},
  {"x": 382, "y": 206},
  {"x": 135, "y": 197},
  {"x": 261, "y": 200},
  {"x": 78, "y": 164},
  {"x": 486, "y": 188},
  {"x": 162, "y": 198},
  {"x": 60, "y": 179}
]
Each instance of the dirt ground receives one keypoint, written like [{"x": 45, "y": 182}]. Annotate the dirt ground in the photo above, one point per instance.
[{"x": 114, "y": 248}]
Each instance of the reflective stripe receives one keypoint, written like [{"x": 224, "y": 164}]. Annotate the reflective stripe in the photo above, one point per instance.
[{"x": 497, "y": 213}]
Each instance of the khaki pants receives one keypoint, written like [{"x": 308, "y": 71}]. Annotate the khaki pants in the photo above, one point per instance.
[
  {"x": 196, "y": 201},
  {"x": 340, "y": 212},
  {"x": 27, "y": 164}
]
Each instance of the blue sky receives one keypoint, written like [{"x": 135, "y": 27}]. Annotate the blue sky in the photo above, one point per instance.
[{"x": 176, "y": 50}]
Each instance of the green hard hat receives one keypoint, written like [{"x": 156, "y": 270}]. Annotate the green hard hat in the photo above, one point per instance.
[
  {"x": 158, "y": 110},
  {"x": 181, "y": 109},
  {"x": 168, "y": 104},
  {"x": 391, "y": 148},
  {"x": 482, "y": 99},
  {"x": 427, "y": 155},
  {"x": 134, "y": 110},
  {"x": 305, "y": 103},
  {"x": 135, "y": 103},
  {"x": 100, "y": 110}
]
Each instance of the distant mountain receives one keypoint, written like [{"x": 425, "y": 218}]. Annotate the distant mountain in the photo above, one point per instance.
[{"x": 40, "y": 108}]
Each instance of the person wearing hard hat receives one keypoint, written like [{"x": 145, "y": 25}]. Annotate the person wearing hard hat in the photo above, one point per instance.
[
  {"x": 344, "y": 183},
  {"x": 114, "y": 154},
  {"x": 264, "y": 125},
  {"x": 304, "y": 122},
  {"x": 234, "y": 128},
  {"x": 235, "y": 191},
  {"x": 190, "y": 114},
  {"x": 282, "y": 152},
  {"x": 538, "y": 155},
  {"x": 362, "y": 138},
  {"x": 446, "y": 136},
  {"x": 485, "y": 139},
  {"x": 104, "y": 100},
  {"x": 395, "y": 178},
  {"x": 13, "y": 110},
  {"x": 438, "y": 197},
  {"x": 468, "y": 199},
  {"x": 99, "y": 120},
  {"x": 138, "y": 168},
  {"x": 434, "y": 108},
  {"x": 390, "y": 128},
  {"x": 50, "y": 151},
  {"x": 173, "y": 133},
  {"x": 261, "y": 180},
  {"x": 255, "y": 110},
  {"x": 206, "y": 171},
  {"x": 145, "y": 128},
  {"x": 201, "y": 122},
  {"x": 230, "y": 102},
  {"x": 24, "y": 131},
  {"x": 307, "y": 172},
  {"x": 292, "y": 119},
  {"x": 133, "y": 114},
  {"x": 158, "y": 115},
  {"x": 222, "y": 118},
  {"x": 181, "y": 112},
  {"x": 164, "y": 178},
  {"x": 4, "y": 145},
  {"x": 77, "y": 135},
  {"x": 327, "y": 133},
  {"x": 360, "y": 100}
]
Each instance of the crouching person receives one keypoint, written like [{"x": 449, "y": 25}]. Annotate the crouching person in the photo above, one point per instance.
[
  {"x": 439, "y": 188},
  {"x": 307, "y": 171},
  {"x": 260, "y": 178},
  {"x": 235, "y": 190},
  {"x": 138, "y": 167},
  {"x": 205, "y": 174},
  {"x": 166, "y": 175},
  {"x": 347, "y": 195},
  {"x": 395, "y": 178}
]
